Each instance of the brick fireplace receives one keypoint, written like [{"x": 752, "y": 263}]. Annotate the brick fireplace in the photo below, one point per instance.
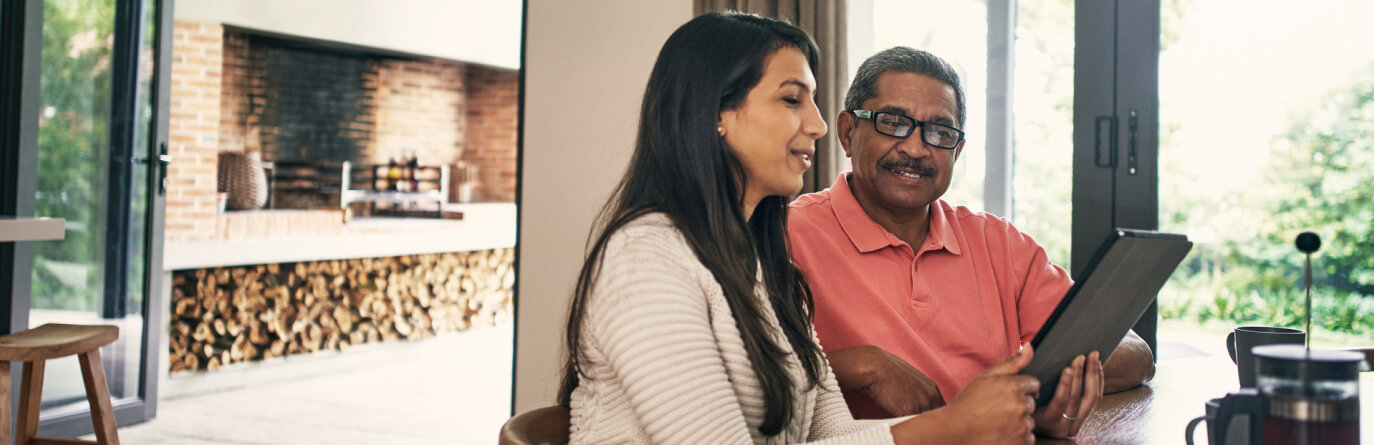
[{"x": 324, "y": 103}]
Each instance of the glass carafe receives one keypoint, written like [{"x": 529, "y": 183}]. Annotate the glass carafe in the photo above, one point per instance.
[{"x": 1313, "y": 396}]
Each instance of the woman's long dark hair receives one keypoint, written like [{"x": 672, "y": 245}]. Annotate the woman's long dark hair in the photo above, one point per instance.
[{"x": 682, "y": 168}]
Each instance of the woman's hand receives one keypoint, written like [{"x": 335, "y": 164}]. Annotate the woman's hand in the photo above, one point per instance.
[{"x": 996, "y": 407}]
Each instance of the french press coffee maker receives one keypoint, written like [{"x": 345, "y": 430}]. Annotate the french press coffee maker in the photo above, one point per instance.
[{"x": 1301, "y": 397}]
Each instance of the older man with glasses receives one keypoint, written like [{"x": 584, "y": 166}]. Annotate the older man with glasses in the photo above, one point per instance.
[{"x": 915, "y": 296}]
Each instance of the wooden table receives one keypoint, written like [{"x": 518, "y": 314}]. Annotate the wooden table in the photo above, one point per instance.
[{"x": 1158, "y": 412}]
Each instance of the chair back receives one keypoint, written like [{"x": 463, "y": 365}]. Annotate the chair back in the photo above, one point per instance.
[{"x": 547, "y": 425}]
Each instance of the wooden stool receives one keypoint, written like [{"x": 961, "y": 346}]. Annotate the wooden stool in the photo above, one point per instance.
[{"x": 34, "y": 347}]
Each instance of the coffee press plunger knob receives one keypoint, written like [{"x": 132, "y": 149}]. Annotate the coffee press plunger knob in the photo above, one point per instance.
[{"x": 1308, "y": 242}]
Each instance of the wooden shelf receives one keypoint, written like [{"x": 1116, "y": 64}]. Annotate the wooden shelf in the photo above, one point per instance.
[{"x": 31, "y": 229}]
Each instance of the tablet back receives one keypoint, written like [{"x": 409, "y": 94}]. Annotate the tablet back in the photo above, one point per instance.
[{"x": 1119, "y": 283}]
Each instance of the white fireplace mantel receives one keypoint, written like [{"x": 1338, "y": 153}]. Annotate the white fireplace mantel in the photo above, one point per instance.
[{"x": 484, "y": 226}]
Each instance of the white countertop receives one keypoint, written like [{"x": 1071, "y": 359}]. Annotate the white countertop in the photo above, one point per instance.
[
  {"x": 31, "y": 229},
  {"x": 484, "y": 226}
]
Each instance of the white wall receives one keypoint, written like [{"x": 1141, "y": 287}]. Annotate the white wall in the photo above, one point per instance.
[
  {"x": 479, "y": 31},
  {"x": 586, "y": 64}
]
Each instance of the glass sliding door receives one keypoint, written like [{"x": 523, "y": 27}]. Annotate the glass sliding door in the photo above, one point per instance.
[
  {"x": 73, "y": 175},
  {"x": 1259, "y": 130},
  {"x": 1042, "y": 122},
  {"x": 141, "y": 154},
  {"x": 1267, "y": 130},
  {"x": 97, "y": 134}
]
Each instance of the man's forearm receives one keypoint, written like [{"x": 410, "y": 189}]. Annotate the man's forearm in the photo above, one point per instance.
[
  {"x": 892, "y": 383},
  {"x": 1129, "y": 366},
  {"x": 853, "y": 367}
]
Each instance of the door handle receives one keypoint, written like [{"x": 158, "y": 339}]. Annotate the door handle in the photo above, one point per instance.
[
  {"x": 1132, "y": 123},
  {"x": 164, "y": 159},
  {"x": 1104, "y": 124}
]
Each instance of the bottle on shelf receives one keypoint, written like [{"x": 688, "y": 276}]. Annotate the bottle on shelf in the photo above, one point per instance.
[
  {"x": 393, "y": 173},
  {"x": 412, "y": 172},
  {"x": 402, "y": 175},
  {"x": 403, "y": 172},
  {"x": 467, "y": 181},
  {"x": 379, "y": 178}
]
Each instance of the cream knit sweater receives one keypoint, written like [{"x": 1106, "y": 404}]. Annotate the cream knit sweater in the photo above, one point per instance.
[{"x": 664, "y": 361}]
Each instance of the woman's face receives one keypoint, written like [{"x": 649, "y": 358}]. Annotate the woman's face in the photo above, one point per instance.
[{"x": 773, "y": 132}]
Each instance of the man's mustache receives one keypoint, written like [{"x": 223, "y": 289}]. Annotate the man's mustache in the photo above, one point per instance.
[{"x": 917, "y": 165}]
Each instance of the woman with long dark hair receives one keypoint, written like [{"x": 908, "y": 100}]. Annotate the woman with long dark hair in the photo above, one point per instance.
[{"x": 689, "y": 322}]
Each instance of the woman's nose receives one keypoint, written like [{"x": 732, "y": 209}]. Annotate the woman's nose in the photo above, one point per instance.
[{"x": 814, "y": 124}]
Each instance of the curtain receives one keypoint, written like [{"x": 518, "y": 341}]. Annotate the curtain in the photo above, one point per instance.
[{"x": 824, "y": 20}]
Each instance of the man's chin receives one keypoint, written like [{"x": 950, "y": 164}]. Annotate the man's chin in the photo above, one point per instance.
[
  {"x": 911, "y": 191},
  {"x": 904, "y": 202},
  {"x": 894, "y": 195}
]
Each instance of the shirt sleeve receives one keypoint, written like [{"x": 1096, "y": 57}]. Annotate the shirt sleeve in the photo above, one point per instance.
[
  {"x": 651, "y": 322},
  {"x": 1044, "y": 284}
]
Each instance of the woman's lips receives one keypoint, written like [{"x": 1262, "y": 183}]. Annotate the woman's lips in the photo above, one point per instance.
[{"x": 804, "y": 156}]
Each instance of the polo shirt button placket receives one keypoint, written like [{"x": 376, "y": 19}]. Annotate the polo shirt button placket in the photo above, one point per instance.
[{"x": 918, "y": 298}]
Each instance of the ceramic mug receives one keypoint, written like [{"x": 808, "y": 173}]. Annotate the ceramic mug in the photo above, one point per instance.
[{"x": 1240, "y": 341}]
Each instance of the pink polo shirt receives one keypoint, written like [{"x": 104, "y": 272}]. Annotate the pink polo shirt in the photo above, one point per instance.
[{"x": 960, "y": 303}]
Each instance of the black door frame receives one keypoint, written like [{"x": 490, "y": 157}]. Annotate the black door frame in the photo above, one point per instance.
[
  {"x": 1115, "y": 128},
  {"x": 21, "y": 44}
]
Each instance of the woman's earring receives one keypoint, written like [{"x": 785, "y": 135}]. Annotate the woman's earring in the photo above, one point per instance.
[{"x": 721, "y": 130}]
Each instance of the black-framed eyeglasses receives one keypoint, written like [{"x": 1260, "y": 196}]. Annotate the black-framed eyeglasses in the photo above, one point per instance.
[{"x": 898, "y": 126}]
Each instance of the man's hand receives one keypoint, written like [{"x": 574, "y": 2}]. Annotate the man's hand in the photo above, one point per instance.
[
  {"x": 892, "y": 383},
  {"x": 995, "y": 407},
  {"x": 1079, "y": 390}
]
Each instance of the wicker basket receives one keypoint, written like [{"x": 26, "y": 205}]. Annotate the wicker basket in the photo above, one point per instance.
[{"x": 242, "y": 177}]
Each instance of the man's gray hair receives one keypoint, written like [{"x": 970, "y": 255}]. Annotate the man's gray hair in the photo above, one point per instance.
[{"x": 903, "y": 59}]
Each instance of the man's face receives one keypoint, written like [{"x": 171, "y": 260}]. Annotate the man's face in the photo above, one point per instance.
[{"x": 900, "y": 176}]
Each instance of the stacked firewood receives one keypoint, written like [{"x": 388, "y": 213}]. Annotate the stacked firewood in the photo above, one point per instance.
[{"x": 240, "y": 314}]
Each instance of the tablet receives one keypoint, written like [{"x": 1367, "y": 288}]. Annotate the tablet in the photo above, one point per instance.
[{"x": 1119, "y": 283}]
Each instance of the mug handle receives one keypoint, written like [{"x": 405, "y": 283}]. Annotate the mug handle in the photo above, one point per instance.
[
  {"x": 1231, "y": 345},
  {"x": 1246, "y": 401},
  {"x": 1192, "y": 425}
]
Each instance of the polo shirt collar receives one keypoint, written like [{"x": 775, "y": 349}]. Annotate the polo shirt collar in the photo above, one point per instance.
[
  {"x": 941, "y": 228},
  {"x": 869, "y": 236}
]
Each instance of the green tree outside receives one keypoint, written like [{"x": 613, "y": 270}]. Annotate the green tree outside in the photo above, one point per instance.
[
  {"x": 1321, "y": 173},
  {"x": 72, "y": 150}
]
